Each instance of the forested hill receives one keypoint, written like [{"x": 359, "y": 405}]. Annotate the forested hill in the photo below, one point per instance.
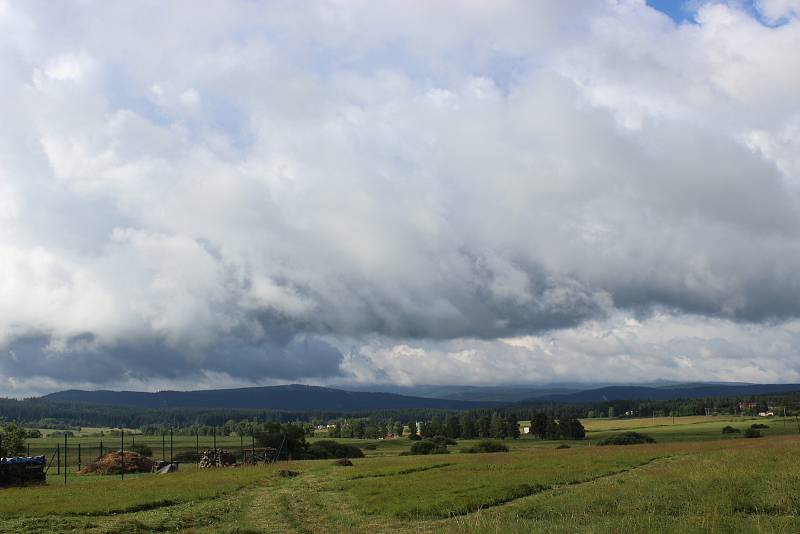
[
  {"x": 292, "y": 397},
  {"x": 688, "y": 391}
]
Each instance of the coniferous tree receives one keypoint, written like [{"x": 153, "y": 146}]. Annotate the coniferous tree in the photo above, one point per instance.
[
  {"x": 512, "y": 426},
  {"x": 484, "y": 427},
  {"x": 452, "y": 427},
  {"x": 498, "y": 427},
  {"x": 469, "y": 429},
  {"x": 539, "y": 425}
]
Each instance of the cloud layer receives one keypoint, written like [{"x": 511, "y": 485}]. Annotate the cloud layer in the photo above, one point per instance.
[{"x": 201, "y": 194}]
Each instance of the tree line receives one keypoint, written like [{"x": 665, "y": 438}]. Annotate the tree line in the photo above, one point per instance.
[{"x": 499, "y": 425}]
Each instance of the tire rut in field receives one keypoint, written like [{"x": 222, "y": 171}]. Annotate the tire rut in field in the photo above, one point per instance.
[{"x": 402, "y": 471}]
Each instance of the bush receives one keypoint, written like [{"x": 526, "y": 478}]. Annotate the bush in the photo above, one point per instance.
[
  {"x": 758, "y": 426},
  {"x": 752, "y": 433},
  {"x": 13, "y": 440},
  {"x": 563, "y": 446},
  {"x": 627, "y": 438},
  {"x": 730, "y": 430},
  {"x": 443, "y": 441},
  {"x": 142, "y": 449},
  {"x": 486, "y": 446},
  {"x": 415, "y": 437},
  {"x": 428, "y": 447},
  {"x": 329, "y": 450},
  {"x": 369, "y": 447},
  {"x": 343, "y": 462}
]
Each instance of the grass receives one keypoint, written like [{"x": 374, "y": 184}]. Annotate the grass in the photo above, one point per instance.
[
  {"x": 472, "y": 482},
  {"x": 694, "y": 479},
  {"x": 101, "y": 495},
  {"x": 697, "y": 428}
]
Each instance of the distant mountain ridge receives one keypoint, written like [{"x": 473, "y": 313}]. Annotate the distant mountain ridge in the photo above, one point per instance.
[
  {"x": 501, "y": 394},
  {"x": 292, "y": 397},
  {"x": 686, "y": 391}
]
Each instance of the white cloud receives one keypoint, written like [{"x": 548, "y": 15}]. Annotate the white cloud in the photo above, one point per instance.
[{"x": 415, "y": 185}]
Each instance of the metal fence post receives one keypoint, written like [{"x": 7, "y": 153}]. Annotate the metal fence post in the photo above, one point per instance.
[
  {"x": 122, "y": 453},
  {"x": 58, "y": 458},
  {"x": 171, "y": 455},
  {"x": 66, "y": 461}
]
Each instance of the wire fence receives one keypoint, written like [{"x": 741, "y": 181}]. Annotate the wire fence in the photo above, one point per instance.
[{"x": 70, "y": 454}]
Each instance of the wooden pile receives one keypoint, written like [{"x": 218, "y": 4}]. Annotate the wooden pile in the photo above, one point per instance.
[{"x": 216, "y": 458}]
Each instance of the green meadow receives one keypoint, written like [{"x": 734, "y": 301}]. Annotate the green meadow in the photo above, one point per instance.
[{"x": 694, "y": 479}]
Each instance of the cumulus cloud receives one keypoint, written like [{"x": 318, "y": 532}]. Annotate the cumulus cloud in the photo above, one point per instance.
[{"x": 331, "y": 191}]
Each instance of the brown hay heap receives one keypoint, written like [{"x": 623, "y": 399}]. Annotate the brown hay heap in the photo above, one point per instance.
[{"x": 111, "y": 464}]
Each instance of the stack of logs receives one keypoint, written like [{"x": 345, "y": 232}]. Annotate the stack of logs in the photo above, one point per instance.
[{"x": 216, "y": 458}]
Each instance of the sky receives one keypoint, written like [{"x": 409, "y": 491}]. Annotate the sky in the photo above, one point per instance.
[{"x": 218, "y": 194}]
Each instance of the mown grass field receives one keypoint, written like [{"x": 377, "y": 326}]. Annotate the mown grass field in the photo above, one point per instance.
[{"x": 692, "y": 480}]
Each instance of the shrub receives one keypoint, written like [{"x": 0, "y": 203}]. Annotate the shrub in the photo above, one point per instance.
[
  {"x": 752, "y": 433},
  {"x": 443, "y": 441},
  {"x": 563, "y": 446},
  {"x": 329, "y": 449},
  {"x": 627, "y": 438},
  {"x": 344, "y": 462},
  {"x": 142, "y": 449},
  {"x": 730, "y": 430},
  {"x": 13, "y": 440},
  {"x": 415, "y": 437},
  {"x": 486, "y": 446},
  {"x": 758, "y": 426},
  {"x": 369, "y": 447},
  {"x": 428, "y": 447}
]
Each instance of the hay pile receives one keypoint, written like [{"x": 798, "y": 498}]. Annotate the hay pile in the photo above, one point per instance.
[
  {"x": 111, "y": 464},
  {"x": 216, "y": 458}
]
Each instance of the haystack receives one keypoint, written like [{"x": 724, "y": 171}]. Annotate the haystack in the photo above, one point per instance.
[{"x": 111, "y": 464}]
